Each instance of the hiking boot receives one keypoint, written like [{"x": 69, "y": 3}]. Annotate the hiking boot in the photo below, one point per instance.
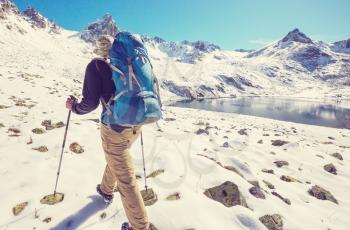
[
  {"x": 126, "y": 226},
  {"x": 107, "y": 198}
]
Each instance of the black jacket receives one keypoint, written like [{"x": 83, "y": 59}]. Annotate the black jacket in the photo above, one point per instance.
[{"x": 97, "y": 83}]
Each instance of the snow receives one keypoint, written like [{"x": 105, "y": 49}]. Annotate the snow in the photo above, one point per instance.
[{"x": 43, "y": 69}]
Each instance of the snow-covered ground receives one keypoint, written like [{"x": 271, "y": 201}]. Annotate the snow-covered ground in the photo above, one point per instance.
[{"x": 196, "y": 149}]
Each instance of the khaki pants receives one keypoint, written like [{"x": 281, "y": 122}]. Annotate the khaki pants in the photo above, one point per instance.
[{"x": 119, "y": 172}]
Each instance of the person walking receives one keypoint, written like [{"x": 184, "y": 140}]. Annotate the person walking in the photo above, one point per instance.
[{"x": 116, "y": 139}]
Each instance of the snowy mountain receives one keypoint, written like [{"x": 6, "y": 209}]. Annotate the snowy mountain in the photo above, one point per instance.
[
  {"x": 104, "y": 26},
  {"x": 341, "y": 46},
  {"x": 210, "y": 170},
  {"x": 185, "y": 51}
]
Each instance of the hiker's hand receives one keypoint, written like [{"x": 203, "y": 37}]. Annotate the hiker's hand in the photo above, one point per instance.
[{"x": 69, "y": 103}]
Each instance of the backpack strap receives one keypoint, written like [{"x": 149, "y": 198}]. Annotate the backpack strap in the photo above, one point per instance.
[
  {"x": 132, "y": 75},
  {"x": 113, "y": 67}
]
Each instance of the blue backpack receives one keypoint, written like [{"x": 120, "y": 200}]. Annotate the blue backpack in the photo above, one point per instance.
[{"x": 136, "y": 100}]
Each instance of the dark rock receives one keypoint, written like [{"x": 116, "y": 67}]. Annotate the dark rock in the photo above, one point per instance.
[
  {"x": 38, "y": 131},
  {"x": 46, "y": 123},
  {"x": 285, "y": 200},
  {"x": 47, "y": 220},
  {"x": 289, "y": 179},
  {"x": 297, "y": 36},
  {"x": 272, "y": 222},
  {"x": 279, "y": 142},
  {"x": 280, "y": 164},
  {"x": 256, "y": 191},
  {"x": 202, "y": 131},
  {"x": 14, "y": 130},
  {"x": 41, "y": 149},
  {"x": 59, "y": 124},
  {"x": 76, "y": 148},
  {"x": 35, "y": 18},
  {"x": 155, "y": 173},
  {"x": 270, "y": 171},
  {"x": 338, "y": 156},
  {"x": 174, "y": 196},
  {"x": 330, "y": 168},
  {"x": 103, "y": 215},
  {"x": 19, "y": 208},
  {"x": 227, "y": 194},
  {"x": 322, "y": 194},
  {"x": 260, "y": 142},
  {"x": 149, "y": 197},
  {"x": 226, "y": 145},
  {"x": 182, "y": 91},
  {"x": 269, "y": 185},
  {"x": 243, "y": 132},
  {"x": 348, "y": 44}
]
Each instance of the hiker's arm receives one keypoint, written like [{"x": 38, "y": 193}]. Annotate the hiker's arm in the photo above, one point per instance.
[{"x": 91, "y": 91}]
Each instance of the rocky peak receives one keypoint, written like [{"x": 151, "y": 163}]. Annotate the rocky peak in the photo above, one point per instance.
[
  {"x": 6, "y": 6},
  {"x": 104, "y": 26},
  {"x": 35, "y": 18},
  {"x": 297, "y": 36},
  {"x": 39, "y": 21},
  {"x": 205, "y": 46},
  {"x": 347, "y": 44}
]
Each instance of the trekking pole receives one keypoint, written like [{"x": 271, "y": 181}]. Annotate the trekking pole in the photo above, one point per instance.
[
  {"x": 64, "y": 143},
  {"x": 143, "y": 161}
]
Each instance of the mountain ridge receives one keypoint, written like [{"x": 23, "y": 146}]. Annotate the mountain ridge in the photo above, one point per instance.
[{"x": 295, "y": 64}]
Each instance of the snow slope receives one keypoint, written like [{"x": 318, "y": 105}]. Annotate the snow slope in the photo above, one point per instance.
[{"x": 39, "y": 69}]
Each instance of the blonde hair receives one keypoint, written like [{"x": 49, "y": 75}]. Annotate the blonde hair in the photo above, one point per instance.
[{"x": 103, "y": 45}]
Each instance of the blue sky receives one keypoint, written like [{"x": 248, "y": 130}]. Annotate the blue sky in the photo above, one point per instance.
[{"x": 231, "y": 24}]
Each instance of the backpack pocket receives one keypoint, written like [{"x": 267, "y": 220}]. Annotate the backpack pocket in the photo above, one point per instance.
[
  {"x": 149, "y": 109},
  {"x": 142, "y": 108}
]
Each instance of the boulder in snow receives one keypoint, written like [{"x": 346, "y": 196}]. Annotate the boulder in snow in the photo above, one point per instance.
[
  {"x": 322, "y": 194},
  {"x": 272, "y": 222},
  {"x": 227, "y": 193}
]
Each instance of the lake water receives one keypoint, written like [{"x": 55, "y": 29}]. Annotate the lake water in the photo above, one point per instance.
[{"x": 299, "y": 111}]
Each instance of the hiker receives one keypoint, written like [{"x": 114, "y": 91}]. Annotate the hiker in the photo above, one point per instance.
[{"x": 116, "y": 139}]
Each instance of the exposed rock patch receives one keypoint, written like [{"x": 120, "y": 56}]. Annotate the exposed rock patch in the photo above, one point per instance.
[
  {"x": 227, "y": 194},
  {"x": 243, "y": 132},
  {"x": 202, "y": 131},
  {"x": 38, "y": 131},
  {"x": 41, "y": 149},
  {"x": 337, "y": 155},
  {"x": 174, "y": 196},
  {"x": 322, "y": 194},
  {"x": 272, "y": 222},
  {"x": 270, "y": 171},
  {"x": 330, "y": 168},
  {"x": 76, "y": 148},
  {"x": 280, "y": 164},
  {"x": 269, "y": 185},
  {"x": 155, "y": 173},
  {"x": 278, "y": 142},
  {"x": 285, "y": 200},
  {"x": 289, "y": 179},
  {"x": 256, "y": 191},
  {"x": 19, "y": 208}
]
